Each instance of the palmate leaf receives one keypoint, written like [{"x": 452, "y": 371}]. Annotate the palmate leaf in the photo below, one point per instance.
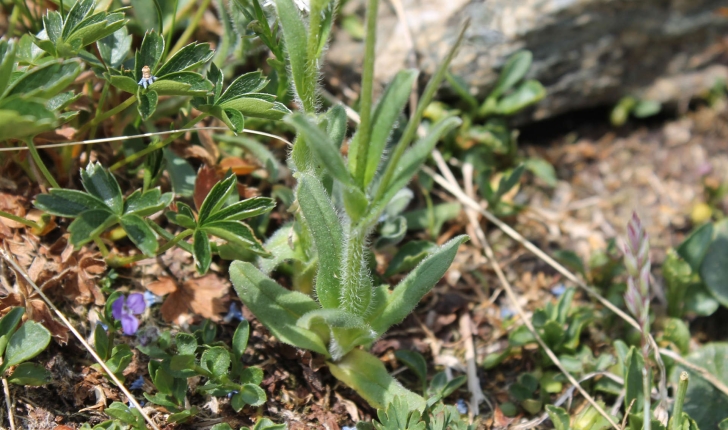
[
  {"x": 89, "y": 224},
  {"x": 47, "y": 80},
  {"x": 115, "y": 47},
  {"x": 140, "y": 233},
  {"x": 181, "y": 84},
  {"x": 187, "y": 58},
  {"x": 147, "y": 203},
  {"x": 248, "y": 83},
  {"x": 101, "y": 184},
  {"x": 67, "y": 203},
  {"x": 80, "y": 10},
  {"x": 237, "y": 233}
]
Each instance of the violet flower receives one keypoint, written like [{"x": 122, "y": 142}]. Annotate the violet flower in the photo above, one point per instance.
[{"x": 124, "y": 310}]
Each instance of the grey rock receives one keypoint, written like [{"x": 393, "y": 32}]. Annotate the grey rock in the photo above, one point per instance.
[{"x": 586, "y": 52}]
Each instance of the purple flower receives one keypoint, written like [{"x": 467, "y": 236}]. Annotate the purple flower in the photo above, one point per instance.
[{"x": 124, "y": 310}]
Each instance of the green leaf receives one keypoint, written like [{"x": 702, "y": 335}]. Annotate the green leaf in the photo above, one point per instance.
[
  {"x": 216, "y": 360},
  {"x": 257, "y": 106},
  {"x": 508, "y": 182},
  {"x": 513, "y": 71},
  {"x": 410, "y": 290},
  {"x": 571, "y": 260},
  {"x": 391, "y": 232},
  {"x": 101, "y": 342},
  {"x": 367, "y": 375},
  {"x": 415, "y": 156},
  {"x": 115, "y": 47},
  {"x": 186, "y": 344},
  {"x": 693, "y": 248},
  {"x": 121, "y": 412},
  {"x": 526, "y": 94},
  {"x": 181, "y": 84},
  {"x": 646, "y": 108},
  {"x": 251, "y": 82},
  {"x": 461, "y": 87},
  {"x": 244, "y": 209},
  {"x": 334, "y": 318},
  {"x": 233, "y": 119},
  {"x": 7, "y": 62},
  {"x": 542, "y": 169},
  {"x": 324, "y": 150},
  {"x": 336, "y": 125},
  {"x": 385, "y": 116},
  {"x": 23, "y": 118},
  {"x": 493, "y": 359},
  {"x": 147, "y": 203},
  {"x": 217, "y": 196},
  {"x": 714, "y": 267},
  {"x": 202, "y": 251},
  {"x": 30, "y": 374},
  {"x": 147, "y": 103},
  {"x": 27, "y": 342},
  {"x": 67, "y": 203},
  {"x": 90, "y": 30},
  {"x": 53, "y": 25},
  {"x": 89, "y": 225},
  {"x": 296, "y": 40},
  {"x": 46, "y": 80},
  {"x": 559, "y": 417},
  {"x": 677, "y": 332},
  {"x": 240, "y": 340},
  {"x": 186, "y": 58},
  {"x": 181, "y": 366},
  {"x": 432, "y": 218},
  {"x": 124, "y": 83},
  {"x": 249, "y": 395},
  {"x": 415, "y": 362},
  {"x": 238, "y": 233},
  {"x": 80, "y": 10},
  {"x": 703, "y": 402},
  {"x": 149, "y": 54},
  {"x": 181, "y": 174},
  {"x": 140, "y": 233},
  {"x": 8, "y": 324},
  {"x": 521, "y": 336},
  {"x": 276, "y": 307},
  {"x": 321, "y": 218},
  {"x": 399, "y": 416},
  {"x": 634, "y": 364},
  {"x": 101, "y": 184},
  {"x": 121, "y": 356}
]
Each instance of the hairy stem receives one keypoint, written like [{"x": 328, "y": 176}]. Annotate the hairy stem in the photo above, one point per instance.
[{"x": 355, "y": 292}]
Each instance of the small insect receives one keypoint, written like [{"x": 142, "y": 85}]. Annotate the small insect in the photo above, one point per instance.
[{"x": 147, "y": 78}]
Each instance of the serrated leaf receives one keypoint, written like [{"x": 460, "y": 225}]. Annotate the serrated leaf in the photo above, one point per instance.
[
  {"x": 80, "y": 10},
  {"x": 46, "y": 80},
  {"x": 89, "y": 224},
  {"x": 67, "y": 203},
  {"x": 147, "y": 103},
  {"x": 238, "y": 233},
  {"x": 182, "y": 84},
  {"x": 53, "y": 25},
  {"x": 217, "y": 196},
  {"x": 233, "y": 119},
  {"x": 91, "y": 29},
  {"x": 101, "y": 184},
  {"x": 140, "y": 233},
  {"x": 147, "y": 203},
  {"x": 247, "y": 208},
  {"x": 149, "y": 54},
  {"x": 367, "y": 375},
  {"x": 27, "y": 342},
  {"x": 115, "y": 47},
  {"x": 410, "y": 290},
  {"x": 321, "y": 218},
  {"x": 202, "y": 251},
  {"x": 251, "y": 82},
  {"x": 276, "y": 307},
  {"x": 124, "y": 83},
  {"x": 187, "y": 58}
]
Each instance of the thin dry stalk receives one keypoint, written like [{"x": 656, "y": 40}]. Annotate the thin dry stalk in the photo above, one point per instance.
[
  {"x": 158, "y": 133},
  {"x": 19, "y": 271},
  {"x": 8, "y": 402},
  {"x": 512, "y": 295},
  {"x": 476, "y": 394}
]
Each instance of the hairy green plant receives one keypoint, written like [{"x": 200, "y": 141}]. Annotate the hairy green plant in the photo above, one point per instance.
[{"x": 341, "y": 200}]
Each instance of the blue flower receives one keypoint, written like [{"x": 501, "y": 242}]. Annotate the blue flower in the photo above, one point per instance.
[
  {"x": 462, "y": 406},
  {"x": 138, "y": 384},
  {"x": 152, "y": 299},
  {"x": 234, "y": 314},
  {"x": 558, "y": 290},
  {"x": 124, "y": 310}
]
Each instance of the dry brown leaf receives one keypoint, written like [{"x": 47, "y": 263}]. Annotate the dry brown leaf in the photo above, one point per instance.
[
  {"x": 206, "y": 178},
  {"x": 200, "y": 296},
  {"x": 236, "y": 164},
  {"x": 200, "y": 153}
]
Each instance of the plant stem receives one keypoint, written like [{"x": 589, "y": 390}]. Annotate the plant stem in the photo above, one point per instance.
[
  {"x": 414, "y": 122},
  {"x": 123, "y": 261},
  {"x": 102, "y": 246},
  {"x": 367, "y": 83},
  {"x": 157, "y": 145},
  {"x": 39, "y": 163},
  {"x": 97, "y": 120},
  {"x": 182, "y": 41},
  {"x": 677, "y": 409},
  {"x": 23, "y": 221},
  {"x": 308, "y": 92},
  {"x": 647, "y": 415},
  {"x": 355, "y": 294},
  {"x": 170, "y": 30}
]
